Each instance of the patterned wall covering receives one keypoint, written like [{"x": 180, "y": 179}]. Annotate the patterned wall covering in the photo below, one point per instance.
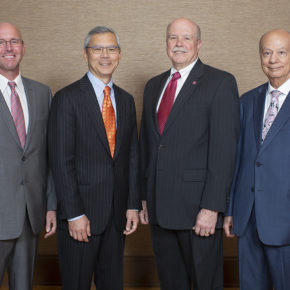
[{"x": 54, "y": 31}]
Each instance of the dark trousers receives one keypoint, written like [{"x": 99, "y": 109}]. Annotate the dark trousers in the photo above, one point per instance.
[
  {"x": 184, "y": 259},
  {"x": 102, "y": 257},
  {"x": 262, "y": 267},
  {"x": 18, "y": 256}
]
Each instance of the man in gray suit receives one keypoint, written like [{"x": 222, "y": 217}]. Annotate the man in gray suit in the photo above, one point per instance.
[{"x": 26, "y": 191}]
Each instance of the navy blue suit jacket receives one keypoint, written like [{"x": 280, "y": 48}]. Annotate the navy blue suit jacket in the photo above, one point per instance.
[{"x": 262, "y": 177}]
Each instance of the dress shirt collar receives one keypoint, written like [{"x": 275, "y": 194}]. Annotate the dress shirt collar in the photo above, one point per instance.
[
  {"x": 98, "y": 85},
  {"x": 18, "y": 80},
  {"x": 284, "y": 88},
  {"x": 185, "y": 71}
]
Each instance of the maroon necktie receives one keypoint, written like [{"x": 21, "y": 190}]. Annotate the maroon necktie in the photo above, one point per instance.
[
  {"x": 17, "y": 114},
  {"x": 167, "y": 102}
]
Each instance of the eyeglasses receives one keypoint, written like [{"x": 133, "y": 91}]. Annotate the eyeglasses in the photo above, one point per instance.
[
  {"x": 100, "y": 49},
  {"x": 14, "y": 42}
]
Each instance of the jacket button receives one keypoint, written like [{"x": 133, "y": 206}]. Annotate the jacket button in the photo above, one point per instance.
[
  {"x": 23, "y": 158},
  {"x": 252, "y": 189},
  {"x": 259, "y": 164}
]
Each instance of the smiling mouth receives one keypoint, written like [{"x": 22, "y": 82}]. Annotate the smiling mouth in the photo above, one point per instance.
[
  {"x": 105, "y": 64},
  {"x": 274, "y": 68}
]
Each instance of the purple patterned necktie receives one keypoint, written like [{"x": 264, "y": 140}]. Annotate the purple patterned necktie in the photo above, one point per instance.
[
  {"x": 271, "y": 113},
  {"x": 17, "y": 114},
  {"x": 167, "y": 102}
]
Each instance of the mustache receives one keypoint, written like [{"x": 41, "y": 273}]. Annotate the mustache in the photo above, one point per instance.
[{"x": 180, "y": 49}]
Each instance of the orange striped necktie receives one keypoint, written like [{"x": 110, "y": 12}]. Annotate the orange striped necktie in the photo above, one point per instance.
[{"x": 109, "y": 118}]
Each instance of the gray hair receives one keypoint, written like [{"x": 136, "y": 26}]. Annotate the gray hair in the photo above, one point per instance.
[
  {"x": 99, "y": 30},
  {"x": 197, "y": 34}
]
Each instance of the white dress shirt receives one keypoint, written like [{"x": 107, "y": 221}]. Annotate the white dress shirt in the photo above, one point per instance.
[
  {"x": 284, "y": 89},
  {"x": 6, "y": 92},
  {"x": 184, "y": 73}
]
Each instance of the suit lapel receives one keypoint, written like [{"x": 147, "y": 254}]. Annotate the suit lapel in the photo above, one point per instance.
[
  {"x": 281, "y": 118},
  {"x": 93, "y": 109},
  {"x": 259, "y": 103},
  {"x": 31, "y": 104},
  {"x": 186, "y": 92},
  {"x": 121, "y": 113},
  {"x": 7, "y": 118}
]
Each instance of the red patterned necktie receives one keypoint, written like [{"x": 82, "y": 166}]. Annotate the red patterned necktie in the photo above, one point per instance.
[
  {"x": 109, "y": 118},
  {"x": 17, "y": 114},
  {"x": 167, "y": 102}
]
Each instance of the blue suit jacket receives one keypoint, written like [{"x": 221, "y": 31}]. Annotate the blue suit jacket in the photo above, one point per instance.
[{"x": 262, "y": 177}]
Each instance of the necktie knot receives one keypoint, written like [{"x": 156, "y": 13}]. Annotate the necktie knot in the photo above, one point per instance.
[
  {"x": 107, "y": 91},
  {"x": 12, "y": 85},
  {"x": 176, "y": 76},
  {"x": 275, "y": 94}
]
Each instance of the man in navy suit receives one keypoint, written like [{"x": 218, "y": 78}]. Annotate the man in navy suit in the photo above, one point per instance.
[{"x": 259, "y": 206}]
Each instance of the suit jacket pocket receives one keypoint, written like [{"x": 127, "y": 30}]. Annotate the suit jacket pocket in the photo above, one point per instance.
[{"x": 190, "y": 175}]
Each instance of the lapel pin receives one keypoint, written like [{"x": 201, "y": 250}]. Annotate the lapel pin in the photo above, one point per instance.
[{"x": 194, "y": 83}]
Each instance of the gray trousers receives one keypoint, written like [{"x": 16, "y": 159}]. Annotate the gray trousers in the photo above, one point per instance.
[{"x": 18, "y": 257}]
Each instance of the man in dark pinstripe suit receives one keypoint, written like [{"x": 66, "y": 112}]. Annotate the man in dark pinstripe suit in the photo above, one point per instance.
[
  {"x": 97, "y": 187},
  {"x": 187, "y": 165}
]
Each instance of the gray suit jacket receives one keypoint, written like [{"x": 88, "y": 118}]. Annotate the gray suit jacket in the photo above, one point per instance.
[{"x": 24, "y": 181}]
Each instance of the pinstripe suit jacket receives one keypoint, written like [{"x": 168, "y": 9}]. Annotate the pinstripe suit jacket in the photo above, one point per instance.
[
  {"x": 24, "y": 183},
  {"x": 87, "y": 179},
  {"x": 191, "y": 165}
]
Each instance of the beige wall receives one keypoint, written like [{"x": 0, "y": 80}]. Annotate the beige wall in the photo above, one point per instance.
[{"x": 54, "y": 32}]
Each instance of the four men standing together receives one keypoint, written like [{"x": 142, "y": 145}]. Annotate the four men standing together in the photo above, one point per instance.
[{"x": 188, "y": 151}]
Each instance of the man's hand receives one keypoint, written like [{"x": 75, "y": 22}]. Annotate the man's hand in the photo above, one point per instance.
[
  {"x": 80, "y": 229},
  {"x": 205, "y": 222},
  {"x": 228, "y": 226},
  {"x": 132, "y": 222},
  {"x": 143, "y": 214},
  {"x": 50, "y": 226}
]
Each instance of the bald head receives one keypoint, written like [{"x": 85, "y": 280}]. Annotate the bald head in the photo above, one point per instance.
[
  {"x": 12, "y": 50},
  {"x": 6, "y": 27},
  {"x": 275, "y": 56},
  {"x": 187, "y": 22},
  {"x": 277, "y": 33}
]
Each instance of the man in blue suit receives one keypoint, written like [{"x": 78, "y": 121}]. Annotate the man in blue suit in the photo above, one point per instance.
[{"x": 259, "y": 205}]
